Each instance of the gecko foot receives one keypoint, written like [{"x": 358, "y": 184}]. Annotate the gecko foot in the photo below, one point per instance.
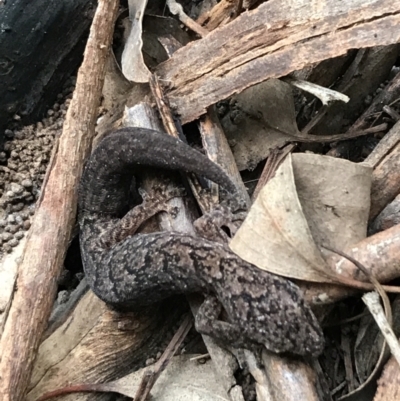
[
  {"x": 207, "y": 322},
  {"x": 219, "y": 225},
  {"x": 154, "y": 202}
]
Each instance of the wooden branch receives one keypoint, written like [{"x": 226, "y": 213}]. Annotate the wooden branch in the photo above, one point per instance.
[
  {"x": 55, "y": 215},
  {"x": 272, "y": 41}
]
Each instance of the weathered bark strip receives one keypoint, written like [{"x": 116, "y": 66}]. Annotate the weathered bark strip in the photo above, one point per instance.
[
  {"x": 101, "y": 345},
  {"x": 53, "y": 220},
  {"x": 271, "y": 41}
]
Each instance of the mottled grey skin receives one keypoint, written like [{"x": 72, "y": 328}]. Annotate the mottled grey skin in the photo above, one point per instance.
[{"x": 146, "y": 268}]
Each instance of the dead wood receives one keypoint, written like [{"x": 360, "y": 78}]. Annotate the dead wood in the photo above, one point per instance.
[
  {"x": 101, "y": 345},
  {"x": 218, "y": 150},
  {"x": 289, "y": 379},
  {"x": 386, "y": 175},
  {"x": 389, "y": 382},
  {"x": 389, "y": 217},
  {"x": 53, "y": 221},
  {"x": 379, "y": 254},
  {"x": 222, "y": 13},
  {"x": 250, "y": 50}
]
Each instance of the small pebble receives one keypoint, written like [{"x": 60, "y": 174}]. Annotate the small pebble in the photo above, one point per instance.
[
  {"x": 16, "y": 188},
  {"x": 9, "y": 134},
  {"x": 19, "y": 235},
  {"x": 7, "y": 248},
  {"x": 19, "y": 135},
  {"x": 6, "y": 236},
  {"x": 18, "y": 219},
  {"x": 11, "y": 219},
  {"x": 14, "y": 154},
  {"x": 18, "y": 207},
  {"x": 11, "y": 229},
  {"x": 26, "y": 225},
  {"x": 79, "y": 276},
  {"x": 62, "y": 297},
  {"x": 27, "y": 183},
  {"x": 14, "y": 242},
  {"x": 24, "y": 215}
]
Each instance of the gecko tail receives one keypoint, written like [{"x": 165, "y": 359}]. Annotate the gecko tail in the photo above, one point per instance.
[{"x": 105, "y": 183}]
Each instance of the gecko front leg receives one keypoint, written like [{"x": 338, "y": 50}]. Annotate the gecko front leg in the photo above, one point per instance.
[
  {"x": 220, "y": 224},
  {"x": 154, "y": 202}
]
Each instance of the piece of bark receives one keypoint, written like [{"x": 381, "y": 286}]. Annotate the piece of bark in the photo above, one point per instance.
[
  {"x": 386, "y": 178},
  {"x": 389, "y": 217},
  {"x": 52, "y": 224},
  {"x": 101, "y": 345},
  {"x": 385, "y": 145},
  {"x": 41, "y": 42},
  {"x": 271, "y": 41},
  {"x": 218, "y": 150},
  {"x": 222, "y": 13},
  {"x": 389, "y": 382},
  {"x": 289, "y": 379}
]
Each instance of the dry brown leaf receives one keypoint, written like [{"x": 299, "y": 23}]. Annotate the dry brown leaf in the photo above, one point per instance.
[
  {"x": 258, "y": 120},
  {"x": 182, "y": 379},
  {"x": 311, "y": 200}
]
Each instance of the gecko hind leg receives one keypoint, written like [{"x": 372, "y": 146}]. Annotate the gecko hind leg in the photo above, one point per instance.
[{"x": 207, "y": 322}]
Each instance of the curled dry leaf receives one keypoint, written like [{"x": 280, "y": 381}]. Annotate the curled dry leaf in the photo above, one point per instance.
[
  {"x": 311, "y": 200},
  {"x": 132, "y": 63},
  {"x": 260, "y": 119}
]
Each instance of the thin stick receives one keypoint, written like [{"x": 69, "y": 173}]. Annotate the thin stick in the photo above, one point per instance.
[
  {"x": 151, "y": 377},
  {"x": 53, "y": 221},
  {"x": 378, "y": 286}
]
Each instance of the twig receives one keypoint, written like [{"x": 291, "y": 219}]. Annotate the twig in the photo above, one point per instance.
[
  {"x": 339, "y": 137},
  {"x": 52, "y": 224},
  {"x": 163, "y": 107},
  {"x": 151, "y": 377},
  {"x": 371, "y": 299},
  {"x": 326, "y": 95},
  {"x": 176, "y": 9},
  {"x": 371, "y": 278}
]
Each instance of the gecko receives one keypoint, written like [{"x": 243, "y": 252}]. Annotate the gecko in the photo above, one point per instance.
[{"x": 137, "y": 270}]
